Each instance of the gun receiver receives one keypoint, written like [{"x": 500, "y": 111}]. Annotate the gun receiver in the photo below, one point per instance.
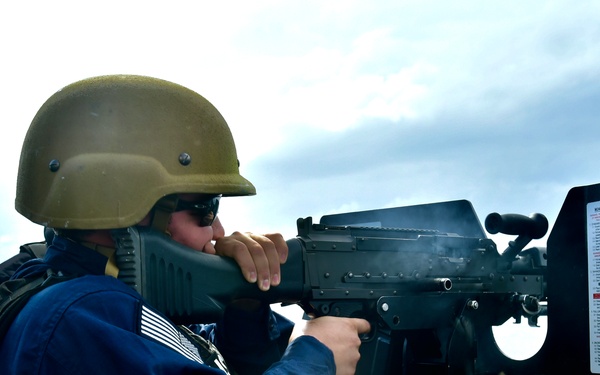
[{"x": 431, "y": 297}]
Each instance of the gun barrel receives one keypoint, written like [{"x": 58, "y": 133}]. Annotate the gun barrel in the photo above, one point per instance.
[{"x": 444, "y": 283}]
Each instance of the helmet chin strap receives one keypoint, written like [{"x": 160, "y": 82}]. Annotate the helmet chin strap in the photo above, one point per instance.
[
  {"x": 111, "y": 268},
  {"x": 84, "y": 238}
]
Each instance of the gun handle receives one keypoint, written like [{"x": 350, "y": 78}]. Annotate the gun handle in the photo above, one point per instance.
[
  {"x": 375, "y": 351},
  {"x": 535, "y": 226}
]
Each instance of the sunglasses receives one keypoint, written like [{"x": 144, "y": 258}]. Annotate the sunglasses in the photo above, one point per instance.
[{"x": 206, "y": 209}]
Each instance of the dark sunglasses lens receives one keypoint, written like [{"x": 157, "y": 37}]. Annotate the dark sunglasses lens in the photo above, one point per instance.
[{"x": 206, "y": 210}]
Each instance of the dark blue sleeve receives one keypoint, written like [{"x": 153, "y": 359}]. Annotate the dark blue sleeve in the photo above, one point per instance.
[{"x": 305, "y": 355}]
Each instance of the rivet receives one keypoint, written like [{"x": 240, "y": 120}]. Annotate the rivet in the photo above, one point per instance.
[
  {"x": 54, "y": 165},
  {"x": 185, "y": 159}
]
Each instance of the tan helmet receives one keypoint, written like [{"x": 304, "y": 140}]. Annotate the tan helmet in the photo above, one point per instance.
[{"x": 101, "y": 152}]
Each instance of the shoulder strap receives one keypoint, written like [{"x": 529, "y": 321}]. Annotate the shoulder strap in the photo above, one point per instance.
[
  {"x": 14, "y": 294},
  {"x": 208, "y": 351},
  {"x": 35, "y": 249},
  {"x": 27, "y": 252}
]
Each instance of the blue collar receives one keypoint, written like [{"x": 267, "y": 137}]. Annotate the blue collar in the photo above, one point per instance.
[{"x": 65, "y": 256}]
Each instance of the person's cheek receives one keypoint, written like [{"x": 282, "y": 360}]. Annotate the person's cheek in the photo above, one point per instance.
[{"x": 185, "y": 230}]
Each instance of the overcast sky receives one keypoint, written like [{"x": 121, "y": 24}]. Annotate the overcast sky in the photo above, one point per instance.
[{"x": 338, "y": 106}]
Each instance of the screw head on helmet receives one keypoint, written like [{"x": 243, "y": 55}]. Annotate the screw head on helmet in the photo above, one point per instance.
[{"x": 101, "y": 152}]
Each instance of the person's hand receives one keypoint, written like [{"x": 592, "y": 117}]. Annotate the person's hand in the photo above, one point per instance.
[
  {"x": 340, "y": 335},
  {"x": 259, "y": 256}
]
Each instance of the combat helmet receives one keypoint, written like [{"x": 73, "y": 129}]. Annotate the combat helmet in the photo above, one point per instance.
[{"x": 102, "y": 151}]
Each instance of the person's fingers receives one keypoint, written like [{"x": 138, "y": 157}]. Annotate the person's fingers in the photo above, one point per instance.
[{"x": 259, "y": 256}]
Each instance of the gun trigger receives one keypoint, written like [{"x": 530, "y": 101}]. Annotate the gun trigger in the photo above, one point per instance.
[{"x": 366, "y": 337}]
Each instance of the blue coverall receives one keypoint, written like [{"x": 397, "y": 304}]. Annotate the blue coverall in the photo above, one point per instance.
[{"x": 95, "y": 324}]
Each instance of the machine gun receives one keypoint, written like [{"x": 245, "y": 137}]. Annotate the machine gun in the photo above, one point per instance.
[{"x": 430, "y": 295}]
